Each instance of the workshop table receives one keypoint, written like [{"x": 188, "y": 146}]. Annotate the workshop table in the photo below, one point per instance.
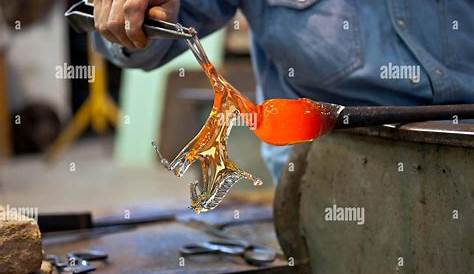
[{"x": 154, "y": 248}]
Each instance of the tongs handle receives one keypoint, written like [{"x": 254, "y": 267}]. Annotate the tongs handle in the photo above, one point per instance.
[{"x": 81, "y": 17}]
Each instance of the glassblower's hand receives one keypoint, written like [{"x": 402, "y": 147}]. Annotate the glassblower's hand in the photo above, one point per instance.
[{"x": 120, "y": 21}]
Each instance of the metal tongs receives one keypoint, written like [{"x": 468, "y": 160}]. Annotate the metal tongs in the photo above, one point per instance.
[{"x": 81, "y": 18}]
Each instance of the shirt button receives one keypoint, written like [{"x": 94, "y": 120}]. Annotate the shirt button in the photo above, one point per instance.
[
  {"x": 401, "y": 23},
  {"x": 439, "y": 72}
]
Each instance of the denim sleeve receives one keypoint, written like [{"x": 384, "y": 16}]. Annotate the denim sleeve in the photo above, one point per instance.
[{"x": 205, "y": 16}]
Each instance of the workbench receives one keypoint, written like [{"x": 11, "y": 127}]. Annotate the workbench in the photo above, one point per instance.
[{"x": 154, "y": 248}]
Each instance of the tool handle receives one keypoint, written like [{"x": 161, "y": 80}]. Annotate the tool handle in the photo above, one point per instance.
[
  {"x": 81, "y": 18},
  {"x": 351, "y": 117}
]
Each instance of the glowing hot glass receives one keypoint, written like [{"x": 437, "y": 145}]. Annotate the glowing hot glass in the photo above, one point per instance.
[{"x": 278, "y": 122}]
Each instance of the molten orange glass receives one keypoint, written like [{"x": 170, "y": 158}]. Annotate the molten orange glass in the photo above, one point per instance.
[
  {"x": 291, "y": 121},
  {"x": 278, "y": 122}
]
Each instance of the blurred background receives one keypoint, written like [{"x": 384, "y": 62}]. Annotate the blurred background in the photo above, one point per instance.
[{"x": 70, "y": 145}]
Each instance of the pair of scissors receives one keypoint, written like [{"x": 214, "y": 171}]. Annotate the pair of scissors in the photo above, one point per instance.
[
  {"x": 252, "y": 254},
  {"x": 228, "y": 245}
]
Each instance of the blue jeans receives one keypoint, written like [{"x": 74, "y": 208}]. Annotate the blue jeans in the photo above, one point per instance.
[{"x": 276, "y": 159}]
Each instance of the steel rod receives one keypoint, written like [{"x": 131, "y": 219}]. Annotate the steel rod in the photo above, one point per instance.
[{"x": 351, "y": 117}]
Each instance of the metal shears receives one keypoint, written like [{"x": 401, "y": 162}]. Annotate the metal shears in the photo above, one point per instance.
[{"x": 227, "y": 245}]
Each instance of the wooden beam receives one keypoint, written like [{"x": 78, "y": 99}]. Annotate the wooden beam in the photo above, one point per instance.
[{"x": 5, "y": 138}]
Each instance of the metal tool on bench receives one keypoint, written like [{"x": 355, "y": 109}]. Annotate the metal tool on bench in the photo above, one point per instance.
[
  {"x": 88, "y": 255},
  {"x": 81, "y": 17},
  {"x": 84, "y": 221},
  {"x": 77, "y": 262},
  {"x": 253, "y": 254}
]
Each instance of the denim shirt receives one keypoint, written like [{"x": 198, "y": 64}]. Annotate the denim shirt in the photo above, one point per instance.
[{"x": 336, "y": 50}]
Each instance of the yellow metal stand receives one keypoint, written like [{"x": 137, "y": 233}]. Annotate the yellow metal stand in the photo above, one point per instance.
[{"x": 97, "y": 109}]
